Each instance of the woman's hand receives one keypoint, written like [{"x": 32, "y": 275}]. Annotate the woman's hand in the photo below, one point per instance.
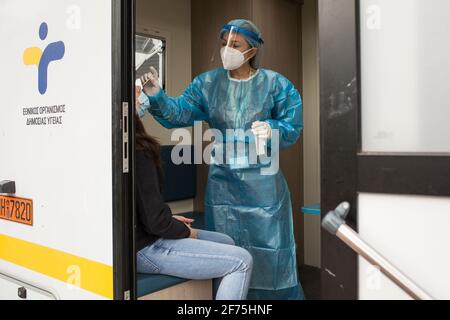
[
  {"x": 262, "y": 130},
  {"x": 194, "y": 233},
  {"x": 186, "y": 221},
  {"x": 150, "y": 81},
  {"x": 138, "y": 92}
]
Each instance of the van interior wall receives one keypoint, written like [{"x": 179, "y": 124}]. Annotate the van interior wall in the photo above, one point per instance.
[
  {"x": 311, "y": 102},
  {"x": 290, "y": 31},
  {"x": 280, "y": 23},
  {"x": 170, "y": 19}
]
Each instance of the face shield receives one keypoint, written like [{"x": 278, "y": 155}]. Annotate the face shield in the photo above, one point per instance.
[{"x": 237, "y": 46}]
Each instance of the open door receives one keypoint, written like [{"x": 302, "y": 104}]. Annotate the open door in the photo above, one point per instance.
[
  {"x": 66, "y": 141},
  {"x": 385, "y": 147}
]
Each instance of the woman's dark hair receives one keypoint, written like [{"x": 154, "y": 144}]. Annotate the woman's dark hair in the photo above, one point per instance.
[{"x": 150, "y": 146}]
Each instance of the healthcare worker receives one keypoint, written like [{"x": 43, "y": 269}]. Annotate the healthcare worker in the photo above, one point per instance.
[{"x": 251, "y": 207}]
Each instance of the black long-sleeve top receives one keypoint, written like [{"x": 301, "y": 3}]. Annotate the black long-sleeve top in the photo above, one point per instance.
[{"x": 154, "y": 217}]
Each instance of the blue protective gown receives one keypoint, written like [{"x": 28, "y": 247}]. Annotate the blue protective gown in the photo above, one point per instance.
[{"x": 254, "y": 209}]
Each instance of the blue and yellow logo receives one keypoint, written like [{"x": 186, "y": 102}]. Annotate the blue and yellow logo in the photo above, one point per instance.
[{"x": 35, "y": 57}]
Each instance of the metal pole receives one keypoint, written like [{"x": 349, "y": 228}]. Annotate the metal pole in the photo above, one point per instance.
[
  {"x": 351, "y": 238},
  {"x": 334, "y": 222}
]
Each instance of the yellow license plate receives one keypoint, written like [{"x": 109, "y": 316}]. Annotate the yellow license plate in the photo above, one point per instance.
[{"x": 17, "y": 210}]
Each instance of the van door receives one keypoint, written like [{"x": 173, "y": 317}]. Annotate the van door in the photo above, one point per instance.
[
  {"x": 385, "y": 146},
  {"x": 65, "y": 138}
]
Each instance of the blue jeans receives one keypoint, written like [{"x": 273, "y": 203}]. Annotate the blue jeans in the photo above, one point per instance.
[{"x": 211, "y": 256}]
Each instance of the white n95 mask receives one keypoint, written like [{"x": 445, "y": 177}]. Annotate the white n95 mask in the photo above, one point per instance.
[{"x": 232, "y": 59}]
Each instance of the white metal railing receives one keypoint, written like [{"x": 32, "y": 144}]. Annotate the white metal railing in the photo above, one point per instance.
[{"x": 334, "y": 222}]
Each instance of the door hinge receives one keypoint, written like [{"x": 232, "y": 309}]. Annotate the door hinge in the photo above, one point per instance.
[
  {"x": 126, "y": 138},
  {"x": 8, "y": 187}
]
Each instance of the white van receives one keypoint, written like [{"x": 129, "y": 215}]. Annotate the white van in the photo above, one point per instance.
[{"x": 65, "y": 217}]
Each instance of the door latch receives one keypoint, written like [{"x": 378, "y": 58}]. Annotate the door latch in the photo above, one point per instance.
[{"x": 125, "y": 138}]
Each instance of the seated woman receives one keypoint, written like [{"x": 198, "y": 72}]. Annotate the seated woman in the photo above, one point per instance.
[{"x": 168, "y": 244}]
